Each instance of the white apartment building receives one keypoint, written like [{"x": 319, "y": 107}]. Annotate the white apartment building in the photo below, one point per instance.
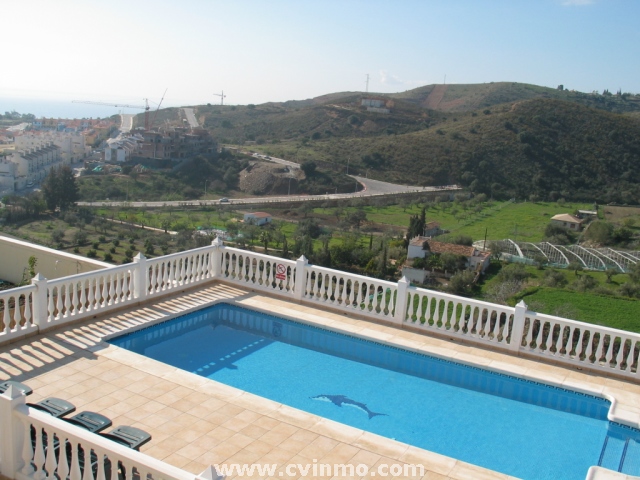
[
  {"x": 72, "y": 145},
  {"x": 121, "y": 148},
  {"x": 32, "y": 165}
]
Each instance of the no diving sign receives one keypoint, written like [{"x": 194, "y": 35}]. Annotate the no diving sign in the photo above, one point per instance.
[{"x": 281, "y": 272}]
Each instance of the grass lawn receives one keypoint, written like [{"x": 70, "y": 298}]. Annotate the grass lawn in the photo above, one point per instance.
[
  {"x": 612, "y": 312},
  {"x": 518, "y": 221}
]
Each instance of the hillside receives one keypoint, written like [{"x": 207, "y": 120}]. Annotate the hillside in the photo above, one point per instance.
[
  {"x": 504, "y": 139},
  {"x": 543, "y": 147}
]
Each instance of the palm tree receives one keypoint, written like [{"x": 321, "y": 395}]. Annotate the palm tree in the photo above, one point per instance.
[{"x": 265, "y": 238}]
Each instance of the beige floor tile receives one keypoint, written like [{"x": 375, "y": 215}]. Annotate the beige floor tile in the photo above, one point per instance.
[{"x": 196, "y": 422}]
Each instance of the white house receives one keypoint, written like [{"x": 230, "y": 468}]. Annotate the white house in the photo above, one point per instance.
[
  {"x": 257, "y": 218},
  {"x": 422, "y": 247},
  {"x": 33, "y": 164},
  {"x": 568, "y": 221}
]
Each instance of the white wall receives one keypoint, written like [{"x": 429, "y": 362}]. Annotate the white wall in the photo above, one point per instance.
[{"x": 51, "y": 263}]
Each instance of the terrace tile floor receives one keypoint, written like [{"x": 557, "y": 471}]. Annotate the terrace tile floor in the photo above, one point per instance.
[{"x": 196, "y": 422}]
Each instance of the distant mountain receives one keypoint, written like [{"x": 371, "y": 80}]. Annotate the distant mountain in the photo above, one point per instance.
[{"x": 504, "y": 139}]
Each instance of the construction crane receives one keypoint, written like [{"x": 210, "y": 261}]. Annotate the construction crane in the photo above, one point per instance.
[
  {"x": 221, "y": 97},
  {"x": 153, "y": 120},
  {"x": 144, "y": 107}
]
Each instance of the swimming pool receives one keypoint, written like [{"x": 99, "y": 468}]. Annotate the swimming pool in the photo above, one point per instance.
[{"x": 515, "y": 426}]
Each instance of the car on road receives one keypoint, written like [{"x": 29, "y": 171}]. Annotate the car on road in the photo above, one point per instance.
[{"x": 224, "y": 200}]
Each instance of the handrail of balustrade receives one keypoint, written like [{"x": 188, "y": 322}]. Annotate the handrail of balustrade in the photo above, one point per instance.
[
  {"x": 456, "y": 298},
  {"x": 578, "y": 324},
  {"x": 78, "y": 277},
  {"x": 260, "y": 255},
  {"x": 185, "y": 253},
  {"x": 354, "y": 276},
  {"x": 66, "y": 432}
]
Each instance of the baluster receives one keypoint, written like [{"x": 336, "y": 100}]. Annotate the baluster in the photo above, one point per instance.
[
  {"x": 27, "y": 449},
  {"x": 100, "y": 474},
  {"x": 59, "y": 302},
  {"x": 74, "y": 468},
  {"x": 271, "y": 276},
  {"x": 119, "y": 281},
  {"x": 224, "y": 264},
  {"x": 422, "y": 308},
  {"x": 568, "y": 345},
  {"x": 436, "y": 313},
  {"x": 88, "y": 473},
  {"x": 539, "y": 337},
  {"x": 83, "y": 296},
  {"x": 578, "y": 348},
  {"x": 352, "y": 293},
  {"x": 603, "y": 348},
  {"x": 250, "y": 270},
  {"x": 102, "y": 292},
  {"x": 6, "y": 319},
  {"x": 166, "y": 275},
  {"x": 341, "y": 284},
  {"x": 174, "y": 267},
  {"x": 610, "y": 350},
  {"x": 28, "y": 302},
  {"x": 92, "y": 295},
  {"x": 188, "y": 270},
  {"x": 236, "y": 268},
  {"x": 334, "y": 289},
  {"x": 68, "y": 293},
  {"x": 50, "y": 464},
  {"x": 63, "y": 466},
  {"x": 496, "y": 326},
  {"x": 197, "y": 268},
  {"x": 621, "y": 356},
  {"x": 75, "y": 300},
  {"x": 111, "y": 279},
  {"x": 317, "y": 287},
  {"x": 39, "y": 458},
  {"x": 455, "y": 319},
  {"x": 591, "y": 347}
]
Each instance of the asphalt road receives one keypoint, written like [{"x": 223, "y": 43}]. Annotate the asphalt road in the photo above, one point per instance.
[
  {"x": 372, "y": 188},
  {"x": 127, "y": 122},
  {"x": 191, "y": 117}
]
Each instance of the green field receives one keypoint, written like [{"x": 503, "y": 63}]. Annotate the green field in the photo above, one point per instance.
[
  {"x": 612, "y": 312},
  {"x": 518, "y": 221}
]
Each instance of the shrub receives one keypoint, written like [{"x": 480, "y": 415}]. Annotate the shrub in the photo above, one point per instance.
[
  {"x": 57, "y": 235},
  {"x": 554, "y": 278},
  {"x": 108, "y": 257},
  {"x": 102, "y": 239},
  {"x": 92, "y": 254},
  {"x": 95, "y": 245},
  {"x": 112, "y": 250}
]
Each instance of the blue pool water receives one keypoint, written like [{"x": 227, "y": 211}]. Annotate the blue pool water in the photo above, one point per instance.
[{"x": 514, "y": 426}]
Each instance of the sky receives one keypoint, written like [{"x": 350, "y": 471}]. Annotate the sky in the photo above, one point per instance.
[{"x": 278, "y": 50}]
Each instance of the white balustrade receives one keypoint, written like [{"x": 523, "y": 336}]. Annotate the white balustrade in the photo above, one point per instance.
[
  {"x": 346, "y": 291},
  {"x": 581, "y": 343},
  {"x": 258, "y": 271},
  {"x": 179, "y": 270},
  {"x": 45, "y": 447},
  {"x": 459, "y": 317},
  {"x": 16, "y": 312},
  {"x": 82, "y": 295},
  {"x": 48, "y": 303}
]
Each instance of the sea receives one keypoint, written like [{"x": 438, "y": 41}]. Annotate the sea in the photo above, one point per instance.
[{"x": 56, "y": 108}]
